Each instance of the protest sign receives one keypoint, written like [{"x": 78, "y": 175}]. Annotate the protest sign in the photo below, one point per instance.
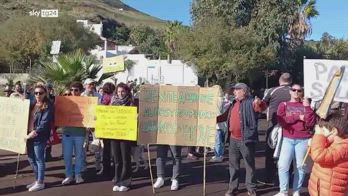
[
  {"x": 13, "y": 124},
  {"x": 178, "y": 115},
  {"x": 116, "y": 122},
  {"x": 317, "y": 75},
  {"x": 75, "y": 111},
  {"x": 113, "y": 64}
]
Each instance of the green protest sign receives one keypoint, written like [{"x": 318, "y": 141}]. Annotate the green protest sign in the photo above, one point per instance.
[{"x": 178, "y": 115}]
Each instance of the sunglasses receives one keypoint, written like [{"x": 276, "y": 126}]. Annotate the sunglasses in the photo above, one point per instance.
[
  {"x": 296, "y": 90},
  {"x": 74, "y": 90},
  {"x": 67, "y": 94},
  {"x": 39, "y": 93}
]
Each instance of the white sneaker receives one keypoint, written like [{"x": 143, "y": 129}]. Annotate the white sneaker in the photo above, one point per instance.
[
  {"x": 37, "y": 187},
  {"x": 281, "y": 194},
  {"x": 123, "y": 189},
  {"x": 175, "y": 185},
  {"x": 216, "y": 159},
  {"x": 296, "y": 193},
  {"x": 98, "y": 166},
  {"x": 159, "y": 183},
  {"x": 79, "y": 179},
  {"x": 30, "y": 185},
  {"x": 100, "y": 172},
  {"x": 116, "y": 188},
  {"x": 67, "y": 181}
]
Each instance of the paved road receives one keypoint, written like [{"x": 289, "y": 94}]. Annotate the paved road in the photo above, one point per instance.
[{"x": 190, "y": 181}]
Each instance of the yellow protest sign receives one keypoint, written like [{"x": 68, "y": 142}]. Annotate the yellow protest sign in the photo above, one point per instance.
[
  {"x": 13, "y": 124},
  {"x": 116, "y": 122},
  {"x": 113, "y": 64}
]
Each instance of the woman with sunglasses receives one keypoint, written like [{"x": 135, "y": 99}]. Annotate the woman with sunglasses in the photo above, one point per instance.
[
  {"x": 297, "y": 120},
  {"x": 40, "y": 121},
  {"x": 121, "y": 149},
  {"x": 72, "y": 142}
]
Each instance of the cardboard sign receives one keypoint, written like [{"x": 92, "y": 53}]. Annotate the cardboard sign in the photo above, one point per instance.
[
  {"x": 113, "y": 64},
  {"x": 178, "y": 115},
  {"x": 116, "y": 122},
  {"x": 14, "y": 118},
  {"x": 317, "y": 75},
  {"x": 75, "y": 111}
]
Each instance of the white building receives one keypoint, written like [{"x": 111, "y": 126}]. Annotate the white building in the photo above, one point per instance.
[
  {"x": 114, "y": 50},
  {"x": 96, "y": 28},
  {"x": 144, "y": 70},
  {"x": 158, "y": 72}
]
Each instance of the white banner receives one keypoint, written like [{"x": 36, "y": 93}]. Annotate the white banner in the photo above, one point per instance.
[{"x": 317, "y": 75}]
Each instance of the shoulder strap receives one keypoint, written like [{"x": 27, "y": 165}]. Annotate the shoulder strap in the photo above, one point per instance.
[{"x": 279, "y": 87}]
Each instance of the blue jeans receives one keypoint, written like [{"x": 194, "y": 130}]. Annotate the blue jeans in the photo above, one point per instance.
[
  {"x": 73, "y": 144},
  {"x": 292, "y": 150},
  {"x": 36, "y": 158},
  {"x": 219, "y": 143}
]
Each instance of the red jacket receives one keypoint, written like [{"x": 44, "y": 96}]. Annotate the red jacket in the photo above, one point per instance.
[{"x": 329, "y": 175}]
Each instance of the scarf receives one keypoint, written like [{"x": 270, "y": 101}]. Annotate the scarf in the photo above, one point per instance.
[
  {"x": 106, "y": 99},
  {"x": 126, "y": 101}
]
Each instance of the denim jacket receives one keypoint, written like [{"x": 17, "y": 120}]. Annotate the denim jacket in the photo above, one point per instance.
[{"x": 43, "y": 123}]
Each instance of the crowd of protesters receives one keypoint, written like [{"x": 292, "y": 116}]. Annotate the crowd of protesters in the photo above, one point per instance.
[{"x": 237, "y": 127}]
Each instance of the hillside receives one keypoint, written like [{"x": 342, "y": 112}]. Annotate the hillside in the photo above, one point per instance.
[{"x": 94, "y": 10}]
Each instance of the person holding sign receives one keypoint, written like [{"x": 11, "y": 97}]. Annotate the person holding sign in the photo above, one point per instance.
[
  {"x": 296, "y": 119},
  {"x": 108, "y": 91},
  {"x": 121, "y": 149},
  {"x": 40, "y": 121},
  {"x": 90, "y": 91},
  {"x": 72, "y": 141},
  {"x": 162, "y": 155},
  {"x": 329, "y": 151}
]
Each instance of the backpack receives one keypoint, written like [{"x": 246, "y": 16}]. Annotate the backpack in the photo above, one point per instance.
[{"x": 275, "y": 139}]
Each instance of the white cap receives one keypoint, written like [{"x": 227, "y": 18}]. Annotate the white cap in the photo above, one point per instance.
[{"x": 89, "y": 81}]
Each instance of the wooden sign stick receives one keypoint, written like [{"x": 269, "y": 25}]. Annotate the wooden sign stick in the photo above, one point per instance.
[
  {"x": 150, "y": 168},
  {"x": 326, "y": 102}
]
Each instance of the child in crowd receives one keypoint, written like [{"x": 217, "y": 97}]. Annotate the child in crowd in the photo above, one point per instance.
[{"x": 329, "y": 151}]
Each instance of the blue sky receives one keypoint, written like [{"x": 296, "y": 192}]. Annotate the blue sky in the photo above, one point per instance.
[{"x": 333, "y": 16}]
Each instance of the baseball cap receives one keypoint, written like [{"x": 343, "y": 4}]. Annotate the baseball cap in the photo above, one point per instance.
[{"x": 241, "y": 86}]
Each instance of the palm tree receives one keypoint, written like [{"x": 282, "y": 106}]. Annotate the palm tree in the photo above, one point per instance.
[
  {"x": 300, "y": 26},
  {"x": 171, "y": 30},
  {"x": 70, "y": 67}
]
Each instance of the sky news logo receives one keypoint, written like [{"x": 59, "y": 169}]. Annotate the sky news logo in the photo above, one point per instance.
[{"x": 44, "y": 13}]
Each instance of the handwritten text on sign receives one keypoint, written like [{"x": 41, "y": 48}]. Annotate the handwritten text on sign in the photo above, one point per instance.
[
  {"x": 75, "y": 111},
  {"x": 13, "y": 124},
  {"x": 116, "y": 122},
  {"x": 317, "y": 75},
  {"x": 178, "y": 115}
]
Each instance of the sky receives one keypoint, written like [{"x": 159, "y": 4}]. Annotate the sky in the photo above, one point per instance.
[{"x": 333, "y": 15}]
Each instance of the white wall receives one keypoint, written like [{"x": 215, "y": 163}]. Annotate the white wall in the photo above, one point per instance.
[{"x": 159, "y": 71}]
